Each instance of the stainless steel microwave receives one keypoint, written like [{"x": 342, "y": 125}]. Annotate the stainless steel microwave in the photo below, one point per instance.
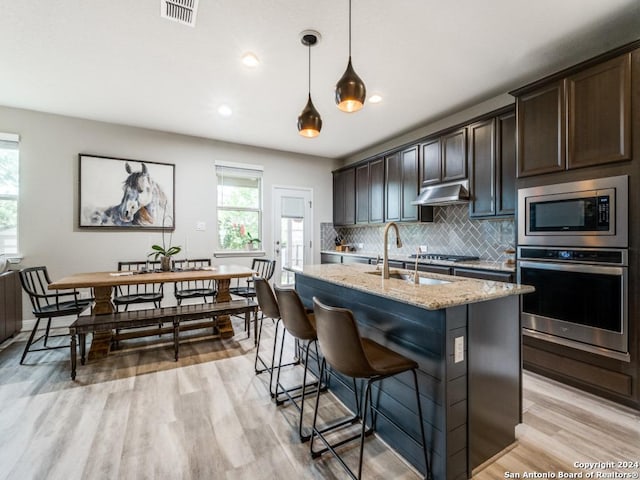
[{"x": 587, "y": 213}]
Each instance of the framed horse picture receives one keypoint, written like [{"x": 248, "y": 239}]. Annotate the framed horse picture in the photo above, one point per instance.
[{"x": 119, "y": 193}]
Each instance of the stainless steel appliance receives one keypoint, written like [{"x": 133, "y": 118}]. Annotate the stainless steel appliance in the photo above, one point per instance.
[
  {"x": 580, "y": 300},
  {"x": 587, "y": 213}
]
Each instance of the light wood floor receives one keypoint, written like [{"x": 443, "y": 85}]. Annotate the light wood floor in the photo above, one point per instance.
[{"x": 138, "y": 414}]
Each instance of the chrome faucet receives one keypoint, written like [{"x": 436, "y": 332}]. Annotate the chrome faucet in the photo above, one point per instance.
[{"x": 385, "y": 262}]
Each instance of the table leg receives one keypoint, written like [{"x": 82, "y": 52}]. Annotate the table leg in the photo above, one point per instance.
[
  {"x": 83, "y": 347},
  {"x": 176, "y": 333},
  {"x": 224, "y": 321},
  {"x": 101, "y": 341},
  {"x": 103, "y": 303},
  {"x": 73, "y": 356}
]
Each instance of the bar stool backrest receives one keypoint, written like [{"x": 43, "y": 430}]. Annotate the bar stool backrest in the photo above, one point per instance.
[
  {"x": 266, "y": 298},
  {"x": 340, "y": 340},
  {"x": 294, "y": 315}
]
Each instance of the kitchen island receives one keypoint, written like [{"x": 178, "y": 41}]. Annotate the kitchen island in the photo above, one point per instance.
[{"x": 465, "y": 335}]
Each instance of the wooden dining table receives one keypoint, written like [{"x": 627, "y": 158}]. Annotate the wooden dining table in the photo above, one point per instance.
[{"x": 104, "y": 284}]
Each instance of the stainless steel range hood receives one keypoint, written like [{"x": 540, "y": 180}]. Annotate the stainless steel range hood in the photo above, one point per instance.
[{"x": 443, "y": 194}]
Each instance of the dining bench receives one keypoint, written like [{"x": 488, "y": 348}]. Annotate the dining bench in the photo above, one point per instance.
[{"x": 106, "y": 324}]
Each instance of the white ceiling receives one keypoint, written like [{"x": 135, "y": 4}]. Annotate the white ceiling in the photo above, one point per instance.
[{"x": 119, "y": 61}]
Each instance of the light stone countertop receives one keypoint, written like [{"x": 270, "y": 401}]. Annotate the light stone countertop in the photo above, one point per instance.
[
  {"x": 480, "y": 264},
  {"x": 459, "y": 291}
]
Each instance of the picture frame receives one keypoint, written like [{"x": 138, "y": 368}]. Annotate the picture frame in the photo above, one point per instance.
[{"x": 126, "y": 194}]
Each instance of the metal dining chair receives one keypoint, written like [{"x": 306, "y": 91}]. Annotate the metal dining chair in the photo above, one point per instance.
[
  {"x": 48, "y": 304},
  {"x": 194, "y": 288},
  {"x": 264, "y": 268},
  {"x": 137, "y": 293}
]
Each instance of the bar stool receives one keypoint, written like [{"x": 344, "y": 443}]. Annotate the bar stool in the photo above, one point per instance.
[
  {"x": 358, "y": 357},
  {"x": 269, "y": 309},
  {"x": 301, "y": 325}
]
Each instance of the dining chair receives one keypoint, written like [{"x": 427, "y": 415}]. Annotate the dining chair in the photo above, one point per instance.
[
  {"x": 139, "y": 292},
  {"x": 263, "y": 268},
  {"x": 194, "y": 288},
  {"x": 48, "y": 304}
]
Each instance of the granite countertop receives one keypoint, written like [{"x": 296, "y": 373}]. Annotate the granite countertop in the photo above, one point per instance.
[
  {"x": 459, "y": 291},
  {"x": 480, "y": 264}
]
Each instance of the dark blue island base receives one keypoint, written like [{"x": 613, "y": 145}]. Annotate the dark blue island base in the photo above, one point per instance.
[{"x": 471, "y": 407}]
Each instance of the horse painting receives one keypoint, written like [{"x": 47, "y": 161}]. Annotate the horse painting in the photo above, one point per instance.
[{"x": 143, "y": 203}]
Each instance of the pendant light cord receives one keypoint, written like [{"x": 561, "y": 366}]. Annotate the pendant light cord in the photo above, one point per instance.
[
  {"x": 349, "y": 28},
  {"x": 309, "y": 70}
]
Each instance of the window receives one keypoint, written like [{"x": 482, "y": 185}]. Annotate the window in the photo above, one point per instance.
[
  {"x": 8, "y": 193},
  {"x": 239, "y": 208}
]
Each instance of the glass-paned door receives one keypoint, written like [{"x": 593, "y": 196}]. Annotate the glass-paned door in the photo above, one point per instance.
[{"x": 293, "y": 233}]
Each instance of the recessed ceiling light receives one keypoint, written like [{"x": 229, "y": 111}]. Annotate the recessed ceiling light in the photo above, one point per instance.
[
  {"x": 225, "y": 111},
  {"x": 250, "y": 60},
  {"x": 375, "y": 98}
]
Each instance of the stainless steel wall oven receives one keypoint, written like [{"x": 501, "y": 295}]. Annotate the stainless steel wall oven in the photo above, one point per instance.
[
  {"x": 580, "y": 300},
  {"x": 572, "y": 247}
]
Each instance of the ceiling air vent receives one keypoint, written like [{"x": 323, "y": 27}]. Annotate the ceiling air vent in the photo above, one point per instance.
[{"x": 182, "y": 11}]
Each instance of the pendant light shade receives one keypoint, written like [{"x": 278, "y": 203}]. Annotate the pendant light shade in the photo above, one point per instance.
[
  {"x": 350, "y": 89},
  {"x": 309, "y": 121}
]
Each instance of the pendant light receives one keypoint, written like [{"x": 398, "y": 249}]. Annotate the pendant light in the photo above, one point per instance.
[
  {"x": 309, "y": 121},
  {"x": 350, "y": 89}
]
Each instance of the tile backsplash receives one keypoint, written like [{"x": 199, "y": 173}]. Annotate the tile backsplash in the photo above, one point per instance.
[{"x": 451, "y": 232}]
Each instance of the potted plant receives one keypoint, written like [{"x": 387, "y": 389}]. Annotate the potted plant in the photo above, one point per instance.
[
  {"x": 252, "y": 243},
  {"x": 163, "y": 252}
]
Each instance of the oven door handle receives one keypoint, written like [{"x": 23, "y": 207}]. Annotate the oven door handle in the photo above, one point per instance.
[{"x": 567, "y": 267}]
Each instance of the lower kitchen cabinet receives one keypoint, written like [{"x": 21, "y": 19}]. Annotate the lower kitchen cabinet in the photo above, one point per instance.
[
  {"x": 330, "y": 258},
  {"x": 433, "y": 269},
  {"x": 496, "y": 276}
]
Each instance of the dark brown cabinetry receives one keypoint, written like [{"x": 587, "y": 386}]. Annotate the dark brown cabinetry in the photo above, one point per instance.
[
  {"x": 401, "y": 171},
  {"x": 492, "y": 166},
  {"x": 362, "y": 193},
  {"x": 454, "y": 155},
  {"x": 369, "y": 178},
  {"x": 376, "y": 191},
  {"x": 344, "y": 197},
  {"x": 484, "y": 274},
  {"x": 482, "y": 168},
  {"x": 10, "y": 305},
  {"x": 540, "y": 130},
  {"x": 444, "y": 158},
  {"x": 434, "y": 269},
  {"x": 506, "y": 163},
  {"x": 579, "y": 120},
  {"x": 599, "y": 114}
]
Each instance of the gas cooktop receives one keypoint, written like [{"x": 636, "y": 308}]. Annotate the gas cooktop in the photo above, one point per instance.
[{"x": 443, "y": 256}]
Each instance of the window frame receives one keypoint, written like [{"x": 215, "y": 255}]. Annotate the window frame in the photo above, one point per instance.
[
  {"x": 12, "y": 140},
  {"x": 235, "y": 170}
]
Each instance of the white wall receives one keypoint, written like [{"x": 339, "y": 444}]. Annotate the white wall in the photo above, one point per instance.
[{"x": 49, "y": 148}]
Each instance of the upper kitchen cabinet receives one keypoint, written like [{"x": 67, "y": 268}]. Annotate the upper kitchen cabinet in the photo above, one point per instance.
[
  {"x": 540, "y": 130},
  {"x": 401, "y": 172},
  {"x": 369, "y": 178},
  {"x": 376, "y": 190},
  {"x": 444, "y": 158},
  {"x": 576, "y": 118},
  {"x": 454, "y": 155},
  {"x": 492, "y": 165},
  {"x": 506, "y": 163},
  {"x": 482, "y": 168},
  {"x": 599, "y": 108},
  {"x": 362, "y": 193},
  {"x": 344, "y": 197}
]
